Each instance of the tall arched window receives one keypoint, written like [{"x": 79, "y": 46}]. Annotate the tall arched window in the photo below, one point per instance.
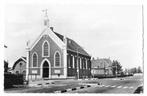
[
  {"x": 45, "y": 49},
  {"x": 35, "y": 58},
  {"x": 57, "y": 59}
]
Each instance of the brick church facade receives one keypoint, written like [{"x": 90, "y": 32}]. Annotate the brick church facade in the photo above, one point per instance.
[{"x": 54, "y": 56}]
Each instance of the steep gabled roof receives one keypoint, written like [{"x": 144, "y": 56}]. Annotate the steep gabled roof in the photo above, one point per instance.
[
  {"x": 20, "y": 59},
  {"x": 51, "y": 34},
  {"x": 72, "y": 45}
]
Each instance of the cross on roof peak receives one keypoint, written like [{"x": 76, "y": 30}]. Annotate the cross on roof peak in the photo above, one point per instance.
[
  {"x": 46, "y": 20},
  {"x": 45, "y": 11}
]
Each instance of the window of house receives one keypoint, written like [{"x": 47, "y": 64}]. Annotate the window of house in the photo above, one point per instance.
[
  {"x": 80, "y": 60},
  {"x": 46, "y": 49},
  {"x": 24, "y": 72},
  {"x": 57, "y": 59},
  {"x": 86, "y": 63},
  {"x": 35, "y": 58},
  {"x": 78, "y": 63},
  {"x": 68, "y": 61},
  {"x": 73, "y": 59}
]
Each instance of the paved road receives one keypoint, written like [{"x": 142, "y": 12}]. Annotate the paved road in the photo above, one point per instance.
[{"x": 115, "y": 85}]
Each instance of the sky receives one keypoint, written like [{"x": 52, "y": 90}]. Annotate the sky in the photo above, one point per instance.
[{"x": 104, "y": 31}]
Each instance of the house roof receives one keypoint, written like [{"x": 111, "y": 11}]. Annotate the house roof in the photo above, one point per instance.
[
  {"x": 72, "y": 45},
  {"x": 20, "y": 59},
  {"x": 101, "y": 62}
]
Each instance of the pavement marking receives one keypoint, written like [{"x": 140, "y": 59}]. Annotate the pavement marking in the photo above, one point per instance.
[
  {"x": 101, "y": 85},
  {"x": 107, "y": 86},
  {"x": 131, "y": 87},
  {"x": 119, "y": 86},
  {"x": 125, "y": 87},
  {"x": 113, "y": 86},
  {"x": 78, "y": 88},
  {"x": 45, "y": 86},
  {"x": 57, "y": 92},
  {"x": 69, "y": 89}
]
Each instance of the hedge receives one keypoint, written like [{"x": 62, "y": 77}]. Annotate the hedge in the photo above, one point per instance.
[{"x": 12, "y": 79}]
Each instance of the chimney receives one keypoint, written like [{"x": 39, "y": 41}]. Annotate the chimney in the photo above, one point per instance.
[{"x": 52, "y": 28}]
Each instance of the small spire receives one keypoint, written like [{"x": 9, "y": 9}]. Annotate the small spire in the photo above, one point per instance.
[{"x": 46, "y": 20}]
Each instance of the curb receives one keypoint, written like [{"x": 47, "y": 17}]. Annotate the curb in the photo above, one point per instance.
[
  {"x": 76, "y": 88},
  {"x": 72, "y": 89}
]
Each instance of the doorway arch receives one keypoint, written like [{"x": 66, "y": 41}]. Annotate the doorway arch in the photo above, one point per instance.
[
  {"x": 45, "y": 69},
  {"x": 45, "y": 73}
]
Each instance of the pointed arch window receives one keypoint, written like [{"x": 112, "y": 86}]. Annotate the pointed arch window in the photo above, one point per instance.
[
  {"x": 45, "y": 49},
  {"x": 35, "y": 59},
  {"x": 57, "y": 59}
]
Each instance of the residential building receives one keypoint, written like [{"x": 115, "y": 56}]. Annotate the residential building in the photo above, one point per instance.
[
  {"x": 19, "y": 66},
  {"x": 101, "y": 67}
]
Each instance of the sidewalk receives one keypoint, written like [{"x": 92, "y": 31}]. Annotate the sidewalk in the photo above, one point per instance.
[
  {"x": 49, "y": 86},
  {"x": 56, "y": 82}
]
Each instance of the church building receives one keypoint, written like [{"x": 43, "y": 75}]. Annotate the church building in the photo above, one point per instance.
[{"x": 54, "y": 56}]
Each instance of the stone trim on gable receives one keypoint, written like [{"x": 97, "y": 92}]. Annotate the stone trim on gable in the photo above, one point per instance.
[{"x": 52, "y": 35}]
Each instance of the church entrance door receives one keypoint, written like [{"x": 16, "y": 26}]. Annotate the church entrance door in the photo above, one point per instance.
[{"x": 45, "y": 72}]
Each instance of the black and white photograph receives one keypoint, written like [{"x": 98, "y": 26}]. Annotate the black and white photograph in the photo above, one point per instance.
[{"x": 67, "y": 47}]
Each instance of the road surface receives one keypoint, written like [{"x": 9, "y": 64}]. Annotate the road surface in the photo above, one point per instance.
[
  {"x": 115, "y": 85},
  {"x": 109, "y": 85}
]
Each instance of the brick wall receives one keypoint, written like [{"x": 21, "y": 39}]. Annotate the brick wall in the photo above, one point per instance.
[{"x": 38, "y": 48}]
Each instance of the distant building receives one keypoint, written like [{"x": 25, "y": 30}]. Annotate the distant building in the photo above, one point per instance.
[
  {"x": 101, "y": 66},
  {"x": 54, "y": 56},
  {"x": 19, "y": 66}
]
